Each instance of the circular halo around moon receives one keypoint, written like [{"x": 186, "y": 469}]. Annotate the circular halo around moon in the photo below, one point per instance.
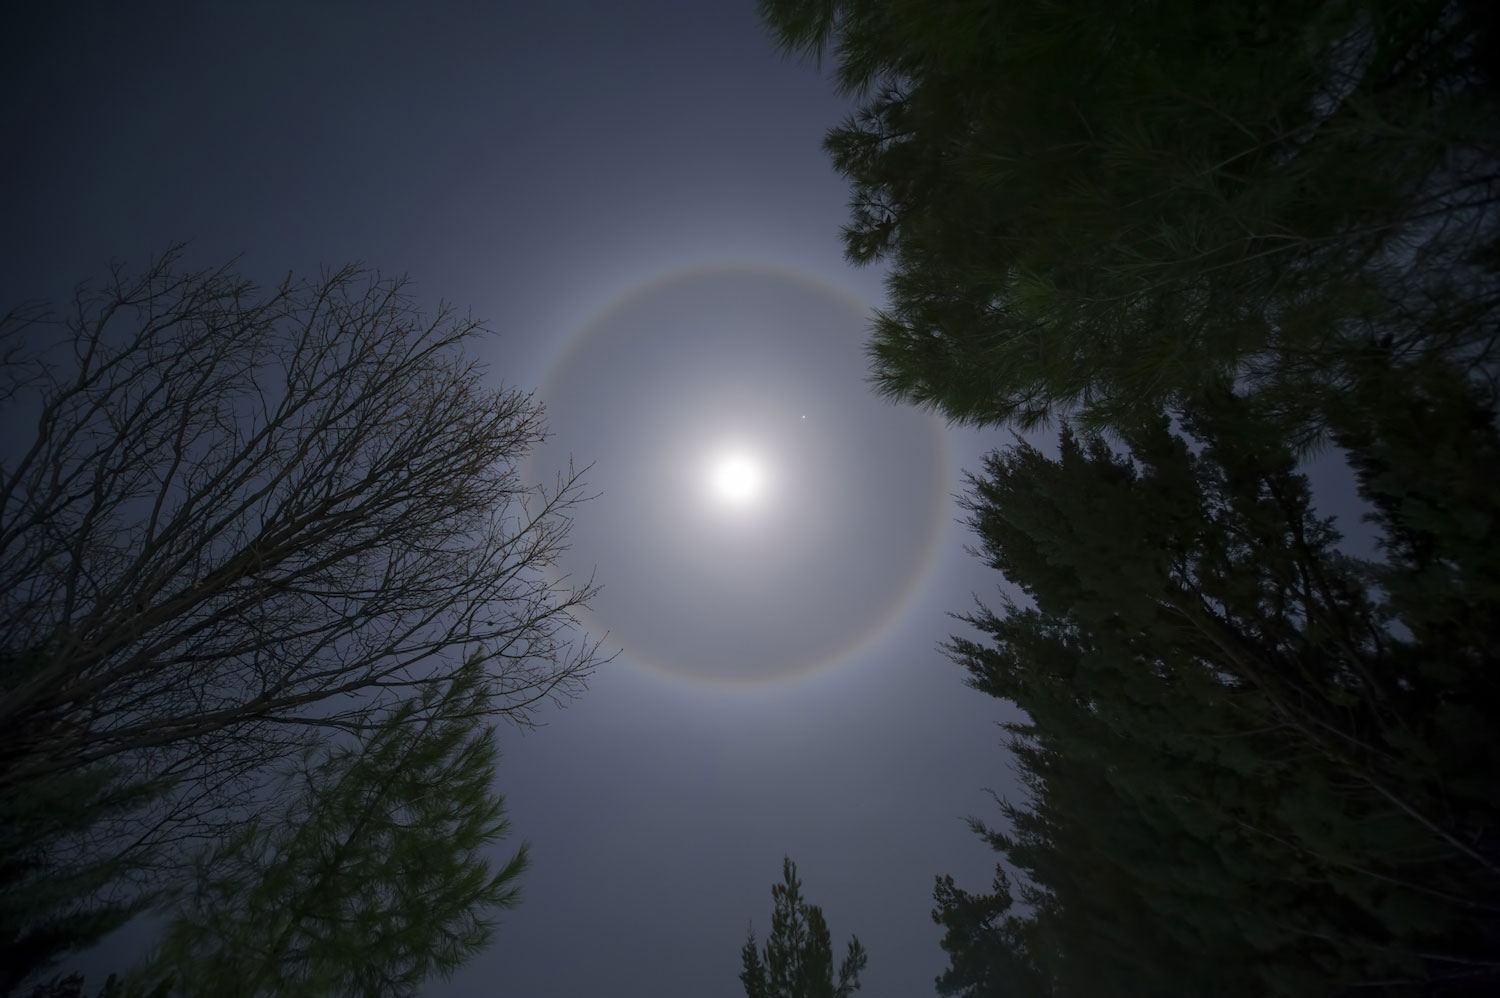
[{"x": 760, "y": 511}]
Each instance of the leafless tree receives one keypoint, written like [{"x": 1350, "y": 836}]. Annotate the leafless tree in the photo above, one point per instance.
[{"x": 249, "y": 514}]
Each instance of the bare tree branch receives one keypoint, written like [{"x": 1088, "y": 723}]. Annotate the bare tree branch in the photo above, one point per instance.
[{"x": 248, "y": 515}]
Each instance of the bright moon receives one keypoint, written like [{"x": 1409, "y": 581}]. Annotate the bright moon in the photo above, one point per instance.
[{"x": 737, "y": 479}]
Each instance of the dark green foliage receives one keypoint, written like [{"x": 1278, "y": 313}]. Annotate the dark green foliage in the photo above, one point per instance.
[
  {"x": 66, "y": 870},
  {"x": 1244, "y": 778},
  {"x": 113, "y": 987},
  {"x": 797, "y": 961},
  {"x": 1256, "y": 766},
  {"x": 373, "y": 878},
  {"x": 64, "y": 880},
  {"x": 1103, "y": 207},
  {"x": 989, "y": 947}
]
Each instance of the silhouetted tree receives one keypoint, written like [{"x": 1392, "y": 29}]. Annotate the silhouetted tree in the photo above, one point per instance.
[
  {"x": 989, "y": 947},
  {"x": 1256, "y": 765},
  {"x": 374, "y": 877},
  {"x": 797, "y": 961},
  {"x": 246, "y": 517},
  {"x": 1102, "y": 207},
  {"x": 48, "y": 871}
]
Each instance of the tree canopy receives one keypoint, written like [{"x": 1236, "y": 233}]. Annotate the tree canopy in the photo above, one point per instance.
[
  {"x": 245, "y": 518},
  {"x": 1097, "y": 208},
  {"x": 373, "y": 878},
  {"x": 797, "y": 960},
  {"x": 1210, "y": 238},
  {"x": 1255, "y": 764}
]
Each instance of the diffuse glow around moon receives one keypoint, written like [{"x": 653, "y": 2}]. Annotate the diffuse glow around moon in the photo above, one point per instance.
[
  {"x": 737, "y": 479},
  {"x": 761, "y": 513}
]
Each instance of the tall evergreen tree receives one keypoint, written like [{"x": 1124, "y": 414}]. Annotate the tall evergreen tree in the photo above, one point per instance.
[
  {"x": 68, "y": 873},
  {"x": 797, "y": 961},
  {"x": 372, "y": 880},
  {"x": 1106, "y": 206},
  {"x": 1243, "y": 777},
  {"x": 65, "y": 872},
  {"x": 1256, "y": 765}
]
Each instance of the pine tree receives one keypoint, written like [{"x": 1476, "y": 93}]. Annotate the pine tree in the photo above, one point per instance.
[
  {"x": 1242, "y": 777},
  {"x": 797, "y": 961},
  {"x": 1104, "y": 207},
  {"x": 373, "y": 879},
  {"x": 67, "y": 874}
]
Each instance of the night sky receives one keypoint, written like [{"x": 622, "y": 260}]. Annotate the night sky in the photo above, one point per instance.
[{"x": 634, "y": 198}]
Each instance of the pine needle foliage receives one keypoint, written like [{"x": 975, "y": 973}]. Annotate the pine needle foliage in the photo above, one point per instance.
[
  {"x": 1255, "y": 764},
  {"x": 375, "y": 876},
  {"x": 65, "y": 868},
  {"x": 797, "y": 960},
  {"x": 1099, "y": 208}
]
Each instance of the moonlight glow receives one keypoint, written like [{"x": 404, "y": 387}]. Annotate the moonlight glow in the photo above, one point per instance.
[
  {"x": 736, "y": 479},
  {"x": 764, "y": 512}
]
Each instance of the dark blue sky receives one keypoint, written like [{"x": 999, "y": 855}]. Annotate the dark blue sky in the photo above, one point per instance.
[{"x": 536, "y": 163}]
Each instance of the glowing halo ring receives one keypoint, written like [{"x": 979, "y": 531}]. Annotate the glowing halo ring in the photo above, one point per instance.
[{"x": 935, "y": 528}]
